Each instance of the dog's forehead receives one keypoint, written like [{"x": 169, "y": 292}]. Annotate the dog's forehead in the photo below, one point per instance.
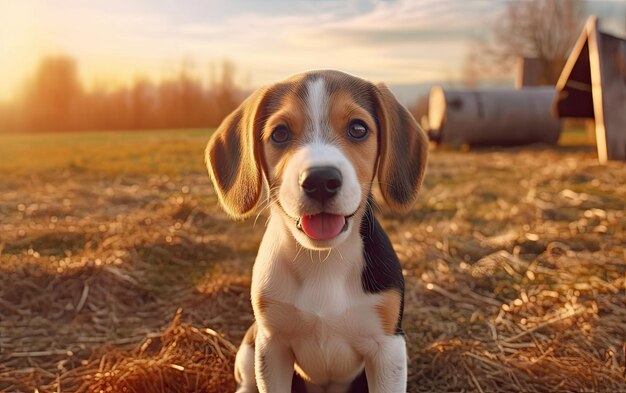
[{"x": 317, "y": 87}]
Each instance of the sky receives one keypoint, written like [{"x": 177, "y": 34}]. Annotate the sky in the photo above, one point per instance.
[{"x": 114, "y": 41}]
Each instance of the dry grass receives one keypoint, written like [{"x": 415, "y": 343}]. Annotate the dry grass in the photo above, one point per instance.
[{"x": 514, "y": 261}]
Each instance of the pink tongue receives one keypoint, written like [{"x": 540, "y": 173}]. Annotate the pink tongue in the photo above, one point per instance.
[{"x": 322, "y": 226}]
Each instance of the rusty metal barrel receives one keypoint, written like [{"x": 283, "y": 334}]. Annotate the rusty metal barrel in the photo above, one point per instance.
[{"x": 493, "y": 117}]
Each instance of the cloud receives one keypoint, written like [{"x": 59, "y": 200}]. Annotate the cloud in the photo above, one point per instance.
[
  {"x": 399, "y": 41},
  {"x": 410, "y": 20}
]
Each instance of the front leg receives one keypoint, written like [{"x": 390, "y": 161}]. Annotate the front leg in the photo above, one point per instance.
[
  {"x": 273, "y": 363},
  {"x": 386, "y": 365}
]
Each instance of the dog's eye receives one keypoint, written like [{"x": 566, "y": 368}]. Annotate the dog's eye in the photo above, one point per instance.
[
  {"x": 281, "y": 135},
  {"x": 357, "y": 130}
]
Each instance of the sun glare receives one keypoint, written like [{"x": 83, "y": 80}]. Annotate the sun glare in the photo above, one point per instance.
[{"x": 23, "y": 39}]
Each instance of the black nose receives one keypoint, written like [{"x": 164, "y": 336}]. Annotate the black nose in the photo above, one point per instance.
[{"x": 321, "y": 183}]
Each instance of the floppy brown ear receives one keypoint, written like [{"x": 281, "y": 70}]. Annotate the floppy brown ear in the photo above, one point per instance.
[
  {"x": 402, "y": 154},
  {"x": 233, "y": 161}
]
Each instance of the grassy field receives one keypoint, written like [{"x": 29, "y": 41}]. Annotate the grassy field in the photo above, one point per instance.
[
  {"x": 119, "y": 271},
  {"x": 109, "y": 153}
]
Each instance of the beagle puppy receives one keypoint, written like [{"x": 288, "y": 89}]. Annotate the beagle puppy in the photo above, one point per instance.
[{"x": 327, "y": 287}]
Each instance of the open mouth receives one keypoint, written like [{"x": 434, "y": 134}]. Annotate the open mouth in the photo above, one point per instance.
[{"x": 323, "y": 226}]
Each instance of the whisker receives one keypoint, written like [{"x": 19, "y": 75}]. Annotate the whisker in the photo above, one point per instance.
[
  {"x": 328, "y": 255},
  {"x": 300, "y": 248}
]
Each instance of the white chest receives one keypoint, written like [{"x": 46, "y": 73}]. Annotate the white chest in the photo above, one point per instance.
[
  {"x": 327, "y": 321},
  {"x": 327, "y": 331}
]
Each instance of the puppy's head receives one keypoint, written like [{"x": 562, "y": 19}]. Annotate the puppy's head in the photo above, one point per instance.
[{"x": 318, "y": 140}]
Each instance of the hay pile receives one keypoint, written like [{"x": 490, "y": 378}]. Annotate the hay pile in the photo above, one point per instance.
[
  {"x": 515, "y": 266},
  {"x": 557, "y": 323},
  {"x": 181, "y": 359}
]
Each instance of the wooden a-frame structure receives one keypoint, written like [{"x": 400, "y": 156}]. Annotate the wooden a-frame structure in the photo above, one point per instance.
[{"x": 593, "y": 85}]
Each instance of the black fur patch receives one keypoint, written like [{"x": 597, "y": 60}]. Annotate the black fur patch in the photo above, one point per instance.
[
  {"x": 298, "y": 385},
  {"x": 359, "y": 385},
  {"x": 382, "y": 270}
]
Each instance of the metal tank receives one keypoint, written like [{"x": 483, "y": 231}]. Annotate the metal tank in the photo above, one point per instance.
[{"x": 494, "y": 117}]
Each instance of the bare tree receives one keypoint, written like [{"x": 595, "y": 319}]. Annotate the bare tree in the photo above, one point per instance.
[{"x": 545, "y": 29}]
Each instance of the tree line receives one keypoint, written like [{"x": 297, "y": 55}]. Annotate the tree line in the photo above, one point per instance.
[{"x": 55, "y": 99}]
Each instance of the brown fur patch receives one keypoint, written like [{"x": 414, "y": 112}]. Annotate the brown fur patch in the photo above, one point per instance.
[
  {"x": 250, "y": 336},
  {"x": 363, "y": 154},
  {"x": 388, "y": 310},
  {"x": 403, "y": 152},
  {"x": 291, "y": 112},
  {"x": 261, "y": 302},
  {"x": 233, "y": 156}
]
